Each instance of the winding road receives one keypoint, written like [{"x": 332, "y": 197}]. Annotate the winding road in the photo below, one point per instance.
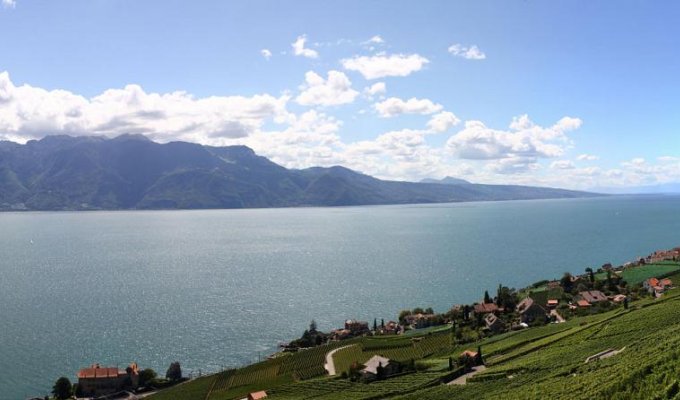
[{"x": 330, "y": 364}]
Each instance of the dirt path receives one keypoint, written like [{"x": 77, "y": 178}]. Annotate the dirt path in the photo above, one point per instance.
[
  {"x": 462, "y": 380},
  {"x": 330, "y": 365}
]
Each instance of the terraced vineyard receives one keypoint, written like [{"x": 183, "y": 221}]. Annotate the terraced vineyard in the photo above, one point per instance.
[{"x": 537, "y": 363}]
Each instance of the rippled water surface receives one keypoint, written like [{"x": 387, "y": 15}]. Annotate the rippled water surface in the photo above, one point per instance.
[{"x": 218, "y": 288}]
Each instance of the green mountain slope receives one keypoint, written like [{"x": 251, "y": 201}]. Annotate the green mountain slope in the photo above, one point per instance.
[{"x": 132, "y": 172}]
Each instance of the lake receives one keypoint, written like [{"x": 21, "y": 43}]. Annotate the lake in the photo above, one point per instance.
[{"x": 219, "y": 288}]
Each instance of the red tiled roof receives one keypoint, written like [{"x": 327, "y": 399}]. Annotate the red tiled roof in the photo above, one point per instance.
[
  {"x": 98, "y": 373},
  {"x": 593, "y": 296},
  {"x": 485, "y": 308},
  {"x": 666, "y": 282},
  {"x": 469, "y": 353},
  {"x": 653, "y": 282},
  {"x": 583, "y": 303},
  {"x": 257, "y": 395},
  {"x": 553, "y": 301}
]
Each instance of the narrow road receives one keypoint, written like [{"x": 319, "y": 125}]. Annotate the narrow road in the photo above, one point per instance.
[
  {"x": 462, "y": 380},
  {"x": 330, "y": 365}
]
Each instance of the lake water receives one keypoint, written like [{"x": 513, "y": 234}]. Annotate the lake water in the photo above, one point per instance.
[{"x": 213, "y": 289}]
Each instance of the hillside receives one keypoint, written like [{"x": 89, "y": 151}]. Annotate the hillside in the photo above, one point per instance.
[
  {"x": 536, "y": 363},
  {"x": 133, "y": 172}
]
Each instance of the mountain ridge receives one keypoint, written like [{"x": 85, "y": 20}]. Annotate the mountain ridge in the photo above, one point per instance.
[{"x": 134, "y": 172}]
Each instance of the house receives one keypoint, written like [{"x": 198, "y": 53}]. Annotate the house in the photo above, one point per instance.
[
  {"x": 494, "y": 324},
  {"x": 257, "y": 395},
  {"x": 485, "y": 308},
  {"x": 619, "y": 298},
  {"x": 99, "y": 381},
  {"x": 378, "y": 367},
  {"x": 356, "y": 327},
  {"x": 529, "y": 310},
  {"x": 552, "y": 303},
  {"x": 583, "y": 304},
  {"x": 472, "y": 358},
  {"x": 554, "y": 285},
  {"x": 593, "y": 296},
  {"x": 390, "y": 328},
  {"x": 419, "y": 321},
  {"x": 655, "y": 286}
]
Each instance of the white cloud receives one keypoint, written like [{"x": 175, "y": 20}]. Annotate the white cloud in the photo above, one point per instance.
[
  {"x": 300, "y": 50},
  {"x": 266, "y": 54},
  {"x": 524, "y": 139},
  {"x": 587, "y": 157},
  {"x": 376, "y": 89},
  {"x": 376, "y": 39},
  {"x": 513, "y": 165},
  {"x": 28, "y": 112},
  {"x": 469, "y": 53},
  {"x": 562, "y": 164},
  {"x": 395, "y": 106},
  {"x": 9, "y": 3},
  {"x": 335, "y": 90},
  {"x": 382, "y": 65},
  {"x": 442, "y": 122}
]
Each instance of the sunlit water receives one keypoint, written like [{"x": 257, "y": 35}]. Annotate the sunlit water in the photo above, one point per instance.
[{"x": 219, "y": 288}]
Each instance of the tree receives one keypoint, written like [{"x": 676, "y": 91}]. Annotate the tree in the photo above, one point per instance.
[
  {"x": 625, "y": 303},
  {"x": 174, "y": 372},
  {"x": 375, "y": 324},
  {"x": 591, "y": 275},
  {"x": 479, "y": 359},
  {"x": 487, "y": 299},
  {"x": 450, "y": 364},
  {"x": 382, "y": 323},
  {"x": 566, "y": 282},
  {"x": 429, "y": 310},
  {"x": 312, "y": 327},
  {"x": 466, "y": 312},
  {"x": 62, "y": 388},
  {"x": 146, "y": 376}
]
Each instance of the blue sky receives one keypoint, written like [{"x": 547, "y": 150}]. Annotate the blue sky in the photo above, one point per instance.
[{"x": 580, "y": 94}]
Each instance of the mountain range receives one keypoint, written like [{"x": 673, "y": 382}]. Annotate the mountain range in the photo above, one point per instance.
[{"x": 133, "y": 172}]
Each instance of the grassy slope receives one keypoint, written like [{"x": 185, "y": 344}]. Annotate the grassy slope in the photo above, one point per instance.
[{"x": 543, "y": 362}]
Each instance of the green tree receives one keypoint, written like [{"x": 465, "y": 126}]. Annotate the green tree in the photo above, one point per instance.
[
  {"x": 62, "y": 388},
  {"x": 566, "y": 282},
  {"x": 312, "y": 327},
  {"x": 174, "y": 372},
  {"x": 146, "y": 376},
  {"x": 591, "y": 275},
  {"x": 487, "y": 299}
]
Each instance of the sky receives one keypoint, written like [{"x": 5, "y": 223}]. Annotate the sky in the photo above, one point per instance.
[{"x": 572, "y": 94}]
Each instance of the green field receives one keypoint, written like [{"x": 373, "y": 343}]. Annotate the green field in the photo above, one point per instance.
[
  {"x": 636, "y": 275},
  {"x": 536, "y": 363}
]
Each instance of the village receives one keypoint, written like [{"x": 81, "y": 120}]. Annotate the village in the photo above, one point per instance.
[{"x": 542, "y": 303}]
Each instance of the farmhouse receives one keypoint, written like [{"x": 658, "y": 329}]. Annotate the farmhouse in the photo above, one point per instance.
[
  {"x": 552, "y": 303},
  {"x": 529, "y": 310},
  {"x": 418, "y": 321},
  {"x": 493, "y": 323},
  {"x": 356, "y": 327},
  {"x": 593, "y": 296},
  {"x": 99, "y": 381},
  {"x": 378, "y": 367},
  {"x": 485, "y": 308}
]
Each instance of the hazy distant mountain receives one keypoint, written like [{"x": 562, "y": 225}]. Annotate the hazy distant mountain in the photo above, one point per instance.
[
  {"x": 449, "y": 180},
  {"x": 132, "y": 172},
  {"x": 663, "y": 188}
]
